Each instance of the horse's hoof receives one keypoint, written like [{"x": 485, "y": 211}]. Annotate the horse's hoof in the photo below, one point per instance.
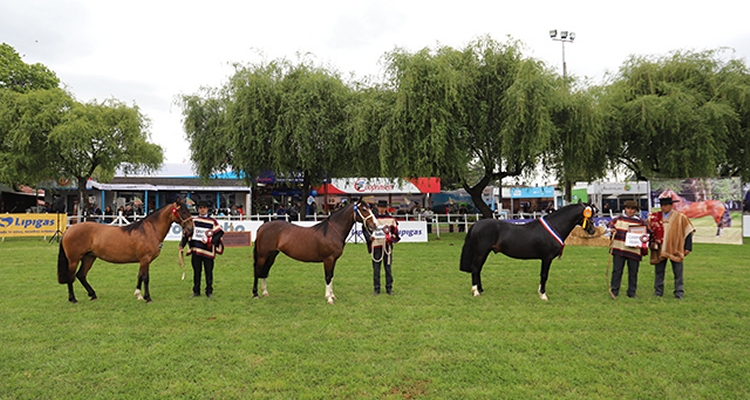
[
  {"x": 475, "y": 291},
  {"x": 265, "y": 294},
  {"x": 543, "y": 296},
  {"x": 330, "y": 301},
  {"x": 73, "y": 301},
  {"x": 148, "y": 301},
  {"x": 94, "y": 298}
]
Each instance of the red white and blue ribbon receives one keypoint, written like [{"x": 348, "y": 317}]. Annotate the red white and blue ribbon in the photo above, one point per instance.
[{"x": 554, "y": 234}]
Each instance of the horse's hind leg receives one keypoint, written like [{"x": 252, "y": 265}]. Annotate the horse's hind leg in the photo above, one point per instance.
[
  {"x": 476, "y": 274},
  {"x": 86, "y": 263},
  {"x": 71, "y": 295},
  {"x": 262, "y": 268}
]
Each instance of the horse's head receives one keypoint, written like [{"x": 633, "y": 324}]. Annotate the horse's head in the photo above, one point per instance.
[
  {"x": 588, "y": 211},
  {"x": 181, "y": 215},
  {"x": 669, "y": 193},
  {"x": 363, "y": 214}
]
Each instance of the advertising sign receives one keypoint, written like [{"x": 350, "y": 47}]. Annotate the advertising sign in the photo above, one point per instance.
[
  {"x": 712, "y": 204},
  {"x": 410, "y": 231},
  {"x": 31, "y": 224}
]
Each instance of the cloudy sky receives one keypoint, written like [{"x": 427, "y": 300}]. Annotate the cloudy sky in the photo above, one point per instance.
[{"x": 148, "y": 52}]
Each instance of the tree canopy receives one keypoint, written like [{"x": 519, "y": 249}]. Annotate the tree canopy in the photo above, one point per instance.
[
  {"x": 46, "y": 134},
  {"x": 680, "y": 115},
  {"x": 289, "y": 119}
]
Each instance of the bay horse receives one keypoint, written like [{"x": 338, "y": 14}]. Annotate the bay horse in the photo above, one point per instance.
[
  {"x": 139, "y": 242},
  {"x": 542, "y": 239},
  {"x": 697, "y": 209},
  {"x": 323, "y": 242}
]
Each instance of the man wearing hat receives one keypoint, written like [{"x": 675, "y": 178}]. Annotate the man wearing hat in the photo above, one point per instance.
[
  {"x": 673, "y": 238},
  {"x": 622, "y": 250},
  {"x": 380, "y": 246},
  {"x": 204, "y": 245}
]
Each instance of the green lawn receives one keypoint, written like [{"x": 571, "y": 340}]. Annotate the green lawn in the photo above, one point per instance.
[{"x": 432, "y": 340}]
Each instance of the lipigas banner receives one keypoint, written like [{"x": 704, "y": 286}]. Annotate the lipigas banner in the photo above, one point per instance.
[{"x": 32, "y": 224}]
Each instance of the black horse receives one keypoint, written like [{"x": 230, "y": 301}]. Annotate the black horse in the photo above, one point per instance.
[{"x": 543, "y": 239}]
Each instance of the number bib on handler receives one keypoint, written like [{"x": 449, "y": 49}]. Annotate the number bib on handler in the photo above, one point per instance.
[
  {"x": 635, "y": 235},
  {"x": 199, "y": 234}
]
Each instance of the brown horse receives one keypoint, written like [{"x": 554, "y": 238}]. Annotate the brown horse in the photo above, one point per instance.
[
  {"x": 323, "y": 242},
  {"x": 697, "y": 209},
  {"x": 140, "y": 242}
]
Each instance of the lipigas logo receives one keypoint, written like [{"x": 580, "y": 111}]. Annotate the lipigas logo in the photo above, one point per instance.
[{"x": 6, "y": 222}]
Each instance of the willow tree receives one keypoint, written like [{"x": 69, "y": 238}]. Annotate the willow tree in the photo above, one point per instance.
[
  {"x": 681, "y": 115},
  {"x": 289, "y": 119},
  {"x": 45, "y": 133},
  {"x": 31, "y": 104},
  {"x": 485, "y": 104},
  {"x": 95, "y": 138},
  {"x": 579, "y": 141}
]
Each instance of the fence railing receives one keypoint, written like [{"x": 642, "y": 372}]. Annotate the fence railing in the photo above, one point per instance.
[{"x": 436, "y": 223}]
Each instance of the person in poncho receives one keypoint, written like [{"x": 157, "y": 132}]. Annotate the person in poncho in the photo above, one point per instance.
[
  {"x": 672, "y": 240},
  {"x": 623, "y": 251},
  {"x": 204, "y": 245}
]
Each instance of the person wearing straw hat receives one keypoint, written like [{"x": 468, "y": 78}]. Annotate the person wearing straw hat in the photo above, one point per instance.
[
  {"x": 674, "y": 244},
  {"x": 623, "y": 250},
  {"x": 380, "y": 246},
  {"x": 204, "y": 245}
]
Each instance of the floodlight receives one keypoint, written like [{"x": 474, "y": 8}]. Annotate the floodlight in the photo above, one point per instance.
[
  {"x": 563, "y": 34},
  {"x": 553, "y": 33},
  {"x": 572, "y": 36}
]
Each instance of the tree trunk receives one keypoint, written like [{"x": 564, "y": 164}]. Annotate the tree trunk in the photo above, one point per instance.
[
  {"x": 83, "y": 200},
  {"x": 476, "y": 195}
]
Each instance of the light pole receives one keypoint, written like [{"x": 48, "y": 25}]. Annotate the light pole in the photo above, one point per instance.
[{"x": 565, "y": 36}]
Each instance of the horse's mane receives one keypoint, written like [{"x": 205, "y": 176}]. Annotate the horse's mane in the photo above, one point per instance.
[
  {"x": 564, "y": 211},
  {"x": 136, "y": 225},
  {"x": 323, "y": 227}
]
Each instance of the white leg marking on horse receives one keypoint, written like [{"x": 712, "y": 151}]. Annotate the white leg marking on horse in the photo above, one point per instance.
[
  {"x": 475, "y": 291},
  {"x": 264, "y": 287},
  {"x": 138, "y": 294},
  {"x": 329, "y": 293},
  {"x": 542, "y": 296}
]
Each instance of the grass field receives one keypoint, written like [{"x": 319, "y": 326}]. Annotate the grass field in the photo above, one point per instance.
[{"x": 431, "y": 340}]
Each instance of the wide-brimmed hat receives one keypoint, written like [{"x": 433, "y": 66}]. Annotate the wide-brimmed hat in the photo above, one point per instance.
[
  {"x": 382, "y": 203},
  {"x": 201, "y": 203},
  {"x": 631, "y": 204},
  {"x": 665, "y": 201}
]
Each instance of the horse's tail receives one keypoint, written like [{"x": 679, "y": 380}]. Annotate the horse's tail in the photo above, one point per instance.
[
  {"x": 63, "y": 272},
  {"x": 467, "y": 252},
  {"x": 255, "y": 258}
]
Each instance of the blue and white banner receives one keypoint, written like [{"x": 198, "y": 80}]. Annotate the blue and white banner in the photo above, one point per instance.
[{"x": 410, "y": 231}]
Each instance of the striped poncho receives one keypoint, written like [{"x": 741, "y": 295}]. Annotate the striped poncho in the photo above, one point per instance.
[{"x": 622, "y": 225}]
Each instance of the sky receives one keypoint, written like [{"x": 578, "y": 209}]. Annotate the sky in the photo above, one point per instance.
[{"x": 147, "y": 53}]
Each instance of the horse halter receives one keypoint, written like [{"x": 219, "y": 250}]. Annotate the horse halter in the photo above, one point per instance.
[
  {"x": 362, "y": 217},
  {"x": 177, "y": 215}
]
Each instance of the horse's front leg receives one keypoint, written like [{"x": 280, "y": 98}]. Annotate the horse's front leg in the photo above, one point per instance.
[
  {"x": 543, "y": 279},
  {"x": 143, "y": 278},
  {"x": 329, "y": 266}
]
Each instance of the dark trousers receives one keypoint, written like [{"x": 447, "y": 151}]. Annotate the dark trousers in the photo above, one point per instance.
[
  {"x": 618, "y": 266},
  {"x": 660, "y": 270},
  {"x": 199, "y": 263},
  {"x": 385, "y": 259}
]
